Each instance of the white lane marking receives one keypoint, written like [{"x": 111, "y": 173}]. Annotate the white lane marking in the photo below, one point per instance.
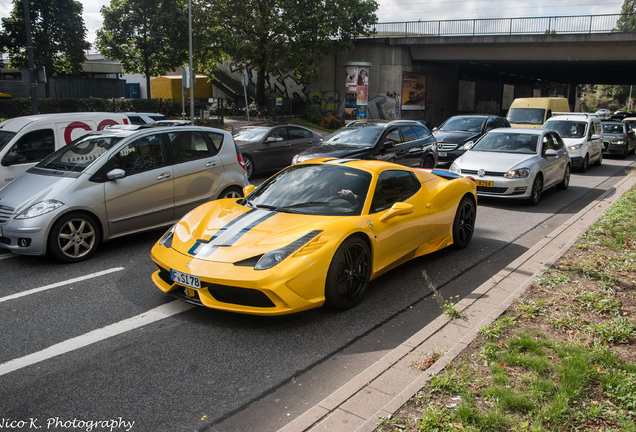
[
  {"x": 59, "y": 284},
  {"x": 156, "y": 314}
]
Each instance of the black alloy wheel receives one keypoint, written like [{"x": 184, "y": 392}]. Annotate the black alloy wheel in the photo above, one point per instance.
[
  {"x": 348, "y": 275},
  {"x": 464, "y": 223}
]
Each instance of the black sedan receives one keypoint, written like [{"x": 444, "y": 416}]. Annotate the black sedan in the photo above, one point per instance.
[
  {"x": 271, "y": 147},
  {"x": 407, "y": 142},
  {"x": 459, "y": 133},
  {"x": 618, "y": 138}
]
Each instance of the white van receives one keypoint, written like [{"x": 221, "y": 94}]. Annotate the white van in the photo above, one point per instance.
[
  {"x": 26, "y": 140},
  {"x": 582, "y": 134}
]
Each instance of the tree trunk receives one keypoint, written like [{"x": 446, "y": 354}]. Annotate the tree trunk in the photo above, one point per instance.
[{"x": 260, "y": 87}]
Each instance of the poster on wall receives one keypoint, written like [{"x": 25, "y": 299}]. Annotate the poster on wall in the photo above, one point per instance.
[
  {"x": 357, "y": 94},
  {"x": 413, "y": 91}
]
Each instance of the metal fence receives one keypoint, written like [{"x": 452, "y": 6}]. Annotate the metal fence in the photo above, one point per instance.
[{"x": 581, "y": 24}]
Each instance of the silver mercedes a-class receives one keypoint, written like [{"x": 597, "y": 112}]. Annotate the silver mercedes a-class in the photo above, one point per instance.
[{"x": 115, "y": 182}]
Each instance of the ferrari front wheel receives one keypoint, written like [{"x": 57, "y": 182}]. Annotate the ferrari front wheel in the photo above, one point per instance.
[
  {"x": 464, "y": 223},
  {"x": 348, "y": 275}
]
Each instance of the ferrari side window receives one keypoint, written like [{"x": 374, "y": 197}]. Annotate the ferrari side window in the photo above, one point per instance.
[{"x": 392, "y": 187}]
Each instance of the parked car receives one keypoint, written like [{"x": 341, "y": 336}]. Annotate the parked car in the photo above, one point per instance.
[
  {"x": 516, "y": 163},
  {"x": 407, "y": 142},
  {"x": 631, "y": 121},
  {"x": 26, "y": 140},
  {"x": 268, "y": 148},
  {"x": 115, "y": 182},
  {"x": 459, "y": 133},
  {"x": 144, "y": 118},
  {"x": 582, "y": 134},
  {"x": 618, "y": 138},
  {"x": 315, "y": 233},
  {"x": 603, "y": 113}
]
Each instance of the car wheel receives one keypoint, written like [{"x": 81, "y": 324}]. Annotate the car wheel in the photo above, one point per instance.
[
  {"x": 537, "y": 190},
  {"x": 231, "y": 192},
  {"x": 464, "y": 223},
  {"x": 563, "y": 185},
  {"x": 348, "y": 275},
  {"x": 586, "y": 163},
  {"x": 249, "y": 166},
  {"x": 599, "y": 161},
  {"x": 74, "y": 237},
  {"x": 428, "y": 162},
  {"x": 625, "y": 152}
]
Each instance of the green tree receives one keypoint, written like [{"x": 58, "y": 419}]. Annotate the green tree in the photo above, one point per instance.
[
  {"x": 281, "y": 35},
  {"x": 58, "y": 34},
  {"x": 618, "y": 93},
  {"x": 146, "y": 36},
  {"x": 627, "y": 21}
]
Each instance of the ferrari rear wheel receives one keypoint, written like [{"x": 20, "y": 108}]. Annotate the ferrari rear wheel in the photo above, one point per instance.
[
  {"x": 348, "y": 275},
  {"x": 464, "y": 223}
]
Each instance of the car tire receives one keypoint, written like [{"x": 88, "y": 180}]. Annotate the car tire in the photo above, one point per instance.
[
  {"x": 348, "y": 275},
  {"x": 537, "y": 190},
  {"x": 599, "y": 161},
  {"x": 625, "y": 153},
  {"x": 428, "y": 162},
  {"x": 231, "y": 192},
  {"x": 464, "y": 223},
  {"x": 563, "y": 184},
  {"x": 249, "y": 166},
  {"x": 586, "y": 163},
  {"x": 74, "y": 237}
]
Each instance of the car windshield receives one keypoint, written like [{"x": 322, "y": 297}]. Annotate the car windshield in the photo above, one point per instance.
[
  {"x": 362, "y": 137},
  {"x": 507, "y": 143},
  {"x": 79, "y": 154},
  {"x": 327, "y": 190},
  {"x": 463, "y": 124},
  {"x": 531, "y": 116},
  {"x": 567, "y": 128},
  {"x": 250, "y": 134},
  {"x": 613, "y": 128},
  {"x": 5, "y": 137}
]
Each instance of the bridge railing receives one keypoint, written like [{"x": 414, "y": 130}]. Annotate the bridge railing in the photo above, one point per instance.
[{"x": 574, "y": 24}]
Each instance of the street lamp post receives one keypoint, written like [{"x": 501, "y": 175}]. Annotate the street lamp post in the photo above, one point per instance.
[
  {"x": 30, "y": 55},
  {"x": 191, "y": 68}
]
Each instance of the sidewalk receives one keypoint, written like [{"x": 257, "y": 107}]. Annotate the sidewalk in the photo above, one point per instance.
[{"x": 385, "y": 386}]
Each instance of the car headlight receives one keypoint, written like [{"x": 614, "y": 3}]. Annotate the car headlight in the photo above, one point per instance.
[
  {"x": 619, "y": 142},
  {"x": 270, "y": 259},
  {"x": 467, "y": 146},
  {"x": 518, "y": 173},
  {"x": 575, "y": 147},
  {"x": 38, "y": 209},
  {"x": 454, "y": 169},
  {"x": 294, "y": 159},
  {"x": 166, "y": 239}
]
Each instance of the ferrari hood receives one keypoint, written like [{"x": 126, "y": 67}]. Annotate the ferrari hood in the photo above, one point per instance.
[{"x": 232, "y": 233}]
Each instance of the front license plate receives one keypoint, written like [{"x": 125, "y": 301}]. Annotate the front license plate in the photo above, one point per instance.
[
  {"x": 484, "y": 183},
  {"x": 186, "y": 279},
  {"x": 442, "y": 154}
]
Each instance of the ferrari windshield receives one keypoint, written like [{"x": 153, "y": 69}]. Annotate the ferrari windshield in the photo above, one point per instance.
[
  {"x": 329, "y": 190},
  {"x": 507, "y": 143},
  {"x": 250, "y": 134},
  {"x": 80, "y": 153},
  {"x": 362, "y": 137},
  {"x": 463, "y": 124}
]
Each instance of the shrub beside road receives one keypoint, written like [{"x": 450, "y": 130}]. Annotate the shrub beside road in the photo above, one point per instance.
[{"x": 562, "y": 358}]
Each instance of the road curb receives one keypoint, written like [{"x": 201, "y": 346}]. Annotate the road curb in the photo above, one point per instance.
[{"x": 384, "y": 387}]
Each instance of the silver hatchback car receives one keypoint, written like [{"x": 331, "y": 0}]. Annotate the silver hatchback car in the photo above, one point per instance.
[{"x": 115, "y": 182}]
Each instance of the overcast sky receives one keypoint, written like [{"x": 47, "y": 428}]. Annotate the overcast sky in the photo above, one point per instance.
[{"x": 413, "y": 10}]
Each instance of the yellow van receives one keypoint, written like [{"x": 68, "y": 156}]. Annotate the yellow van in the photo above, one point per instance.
[{"x": 533, "y": 112}]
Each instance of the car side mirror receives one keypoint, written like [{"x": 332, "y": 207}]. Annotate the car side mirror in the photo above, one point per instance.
[
  {"x": 551, "y": 153},
  {"x": 388, "y": 145},
  {"x": 10, "y": 159},
  {"x": 116, "y": 174},
  {"x": 248, "y": 189},
  {"x": 596, "y": 136},
  {"x": 270, "y": 139},
  {"x": 397, "y": 209}
]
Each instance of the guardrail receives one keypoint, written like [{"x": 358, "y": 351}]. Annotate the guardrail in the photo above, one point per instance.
[{"x": 575, "y": 24}]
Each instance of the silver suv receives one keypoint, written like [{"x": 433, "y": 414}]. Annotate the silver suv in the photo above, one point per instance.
[{"x": 115, "y": 182}]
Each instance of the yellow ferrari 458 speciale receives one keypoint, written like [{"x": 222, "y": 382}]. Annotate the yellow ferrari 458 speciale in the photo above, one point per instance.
[{"x": 315, "y": 233}]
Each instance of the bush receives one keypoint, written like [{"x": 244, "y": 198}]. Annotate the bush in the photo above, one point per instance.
[{"x": 331, "y": 123}]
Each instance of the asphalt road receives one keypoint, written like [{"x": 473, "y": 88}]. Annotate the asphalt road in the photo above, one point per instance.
[{"x": 97, "y": 342}]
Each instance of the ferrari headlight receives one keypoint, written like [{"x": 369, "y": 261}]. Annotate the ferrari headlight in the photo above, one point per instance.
[
  {"x": 166, "y": 239},
  {"x": 518, "y": 173},
  {"x": 270, "y": 259},
  {"x": 38, "y": 209},
  {"x": 575, "y": 146}
]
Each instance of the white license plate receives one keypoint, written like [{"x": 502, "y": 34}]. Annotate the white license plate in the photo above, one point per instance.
[
  {"x": 186, "y": 279},
  {"x": 442, "y": 154}
]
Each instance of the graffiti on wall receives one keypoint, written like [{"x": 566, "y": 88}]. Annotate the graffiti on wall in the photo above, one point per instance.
[{"x": 324, "y": 102}]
